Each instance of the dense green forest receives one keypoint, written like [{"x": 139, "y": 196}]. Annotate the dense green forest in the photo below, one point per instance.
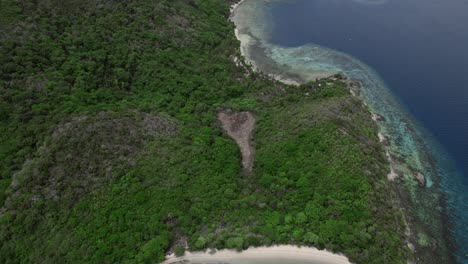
[{"x": 111, "y": 152}]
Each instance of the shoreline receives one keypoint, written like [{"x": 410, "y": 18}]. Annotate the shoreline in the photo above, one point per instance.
[
  {"x": 249, "y": 41},
  {"x": 267, "y": 255},
  {"x": 393, "y": 175},
  {"x": 249, "y": 61},
  {"x": 262, "y": 255},
  {"x": 414, "y": 158},
  {"x": 234, "y": 6}
]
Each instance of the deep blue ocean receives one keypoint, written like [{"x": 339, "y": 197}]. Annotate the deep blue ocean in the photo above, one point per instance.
[{"x": 418, "y": 48}]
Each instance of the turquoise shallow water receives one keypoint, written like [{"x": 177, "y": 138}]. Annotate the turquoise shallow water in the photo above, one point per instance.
[{"x": 438, "y": 212}]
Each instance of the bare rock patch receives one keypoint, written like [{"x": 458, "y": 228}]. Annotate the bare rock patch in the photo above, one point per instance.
[{"x": 239, "y": 126}]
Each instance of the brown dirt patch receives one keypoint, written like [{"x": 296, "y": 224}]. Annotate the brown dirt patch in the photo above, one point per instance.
[{"x": 239, "y": 126}]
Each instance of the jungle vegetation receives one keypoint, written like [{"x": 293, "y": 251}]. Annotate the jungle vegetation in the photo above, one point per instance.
[{"x": 110, "y": 151}]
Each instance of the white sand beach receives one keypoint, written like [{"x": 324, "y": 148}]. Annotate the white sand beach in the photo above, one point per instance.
[{"x": 272, "y": 255}]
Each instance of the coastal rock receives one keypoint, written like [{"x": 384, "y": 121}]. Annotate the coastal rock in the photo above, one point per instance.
[
  {"x": 383, "y": 139},
  {"x": 381, "y": 118},
  {"x": 354, "y": 87},
  {"x": 338, "y": 76},
  {"x": 421, "y": 179},
  {"x": 378, "y": 118}
]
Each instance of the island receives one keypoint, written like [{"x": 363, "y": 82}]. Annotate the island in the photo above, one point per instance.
[{"x": 133, "y": 130}]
